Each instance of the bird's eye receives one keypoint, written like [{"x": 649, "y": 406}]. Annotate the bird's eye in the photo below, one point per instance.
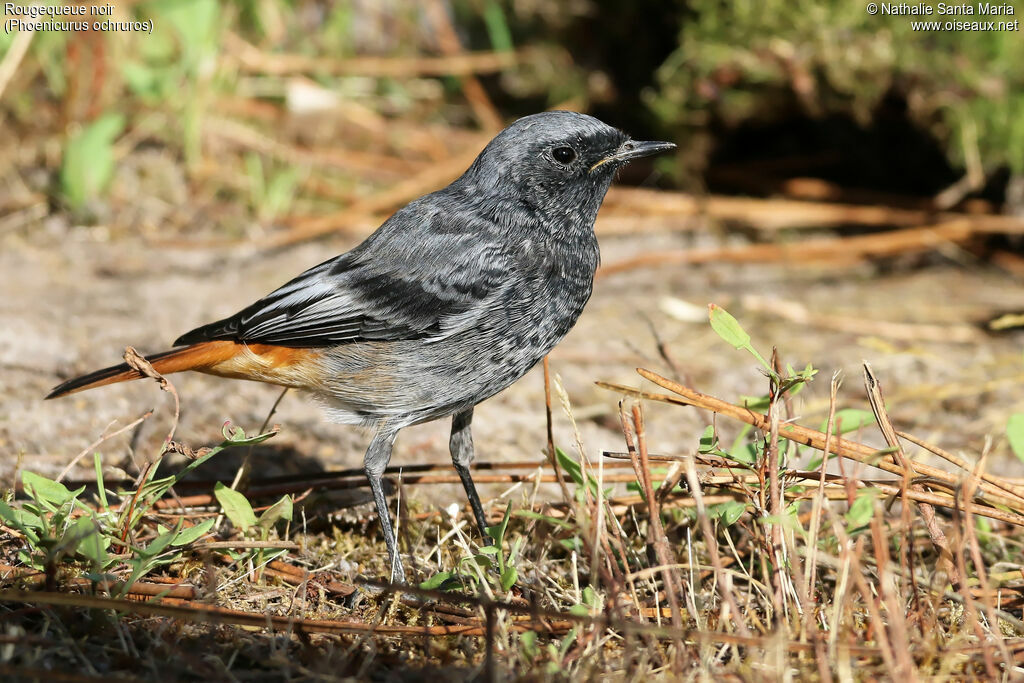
[{"x": 564, "y": 155}]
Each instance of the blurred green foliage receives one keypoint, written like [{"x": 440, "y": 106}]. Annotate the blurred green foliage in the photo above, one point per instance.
[
  {"x": 88, "y": 163},
  {"x": 739, "y": 61},
  {"x": 728, "y": 64}
]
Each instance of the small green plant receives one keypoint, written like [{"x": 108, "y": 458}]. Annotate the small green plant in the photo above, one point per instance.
[
  {"x": 486, "y": 557},
  {"x": 728, "y": 513},
  {"x": 238, "y": 509},
  {"x": 154, "y": 489},
  {"x": 88, "y": 164},
  {"x": 861, "y": 510},
  {"x": 791, "y": 383},
  {"x": 47, "y": 523},
  {"x": 58, "y": 526},
  {"x": 271, "y": 191},
  {"x": 585, "y": 482},
  {"x": 556, "y": 653},
  {"x": 729, "y": 329},
  {"x": 743, "y": 455}
]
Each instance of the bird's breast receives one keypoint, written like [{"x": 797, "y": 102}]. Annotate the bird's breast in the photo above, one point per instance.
[{"x": 561, "y": 279}]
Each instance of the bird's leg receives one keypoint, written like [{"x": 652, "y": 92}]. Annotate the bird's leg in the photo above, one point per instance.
[
  {"x": 461, "y": 445},
  {"x": 377, "y": 457}
]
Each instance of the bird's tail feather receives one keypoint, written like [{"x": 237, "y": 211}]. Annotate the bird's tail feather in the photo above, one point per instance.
[{"x": 195, "y": 357}]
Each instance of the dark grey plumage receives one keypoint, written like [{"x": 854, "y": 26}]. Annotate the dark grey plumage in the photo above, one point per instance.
[{"x": 457, "y": 295}]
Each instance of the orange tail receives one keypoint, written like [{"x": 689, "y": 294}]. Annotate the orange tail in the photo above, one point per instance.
[
  {"x": 201, "y": 356},
  {"x": 281, "y": 365}
]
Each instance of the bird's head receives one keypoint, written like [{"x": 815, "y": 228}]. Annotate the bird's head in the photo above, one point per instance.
[{"x": 558, "y": 164}]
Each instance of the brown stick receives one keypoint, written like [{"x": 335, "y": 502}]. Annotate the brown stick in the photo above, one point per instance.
[
  {"x": 776, "y": 214},
  {"x": 549, "y": 423},
  {"x": 811, "y": 437},
  {"x": 1004, "y": 484},
  {"x": 815, "y": 439},
  {"x": 874, "y": 392},
  {"x": 771, "y": 455},
  {"x": 849, "y": 249},
  {"x": 656, "y": 532},
  {"x": 253, "y": 60},
  {"x": 722, "y": 578}
]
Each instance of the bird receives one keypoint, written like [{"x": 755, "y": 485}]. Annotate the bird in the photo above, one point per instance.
[{"x": 451, "y": 300}]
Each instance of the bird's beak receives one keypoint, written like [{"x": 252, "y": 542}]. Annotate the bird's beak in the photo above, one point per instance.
[{"x": 633, "y": 149}]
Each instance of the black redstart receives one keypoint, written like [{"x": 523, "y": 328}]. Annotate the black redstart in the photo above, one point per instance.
[{"x": 451, "y": 300}]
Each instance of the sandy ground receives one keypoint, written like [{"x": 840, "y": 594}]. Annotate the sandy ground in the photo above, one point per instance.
[{"x": 72, "y": 299}]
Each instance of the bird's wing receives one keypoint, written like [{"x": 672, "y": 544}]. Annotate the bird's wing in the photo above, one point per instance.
[{"x": 407, "y": 281}]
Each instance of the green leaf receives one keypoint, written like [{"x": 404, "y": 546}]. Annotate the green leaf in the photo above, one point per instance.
[
  {"x": 758, "y": 403},
  {"x": 88, "y": 164},
  {"x": 729, "y": 329},
  {"x": 517, "y": 545},
  {"x": 31, "y": 561},
  {"x": 1015, "y": 433},
  {"x": 146, "y": 559},
  {"x": 90, "y": 543},
  {"x": 746, "y": 455},
  {"x": 480, "y": 560},
  {"x": 193, "y": 533},
  {"x": 983, "y": 525},
  {"x": 47, "y": 490},
  {"x": 528, "y": 641},
  {"x": 22, "y": 520},
  {"x": 197, "y": 23},
  {"x": 232, "y": 433},
  {"x": 148, "y": 83},
  {"x": 862, "y": 509},
  {"x": 708, "y": 442},
  {"x": 497, "y": 532},
  {"x": 233, "y": 439},
  {"x": 101, "y": 491},
  {"x": 580, "y": 610},
  {"x": 280, "y": 193},
  {"x": 160, "y": 543},
  {"x": 530, "y": 514},
  {"x": 497, "y": 27},
  {"x": 436, "y": 581},
  {"x": 570, "y": 466},
  {"x": 489, "y": 550},
  {"x": 236, "y": 506},
  {"x": 729, "y": 513},
  {"x": 850, "y": 420},
  {"x": 280, "y": 510},
  {"x": 509, "y": 578}
]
